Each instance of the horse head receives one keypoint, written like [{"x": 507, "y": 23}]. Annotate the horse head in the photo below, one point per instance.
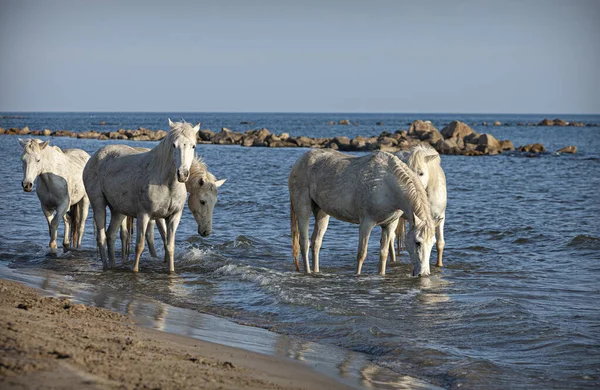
[
  {"x": 203, "y": 189},
  {"x": 419, "y": 241},
  {"x": 418, "y": 161},
  {"x": 183, "y": 139},
  {"x": 32, "y": 159}
]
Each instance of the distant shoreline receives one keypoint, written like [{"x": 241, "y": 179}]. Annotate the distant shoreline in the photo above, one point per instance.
[{"x": 457, "y": 138}]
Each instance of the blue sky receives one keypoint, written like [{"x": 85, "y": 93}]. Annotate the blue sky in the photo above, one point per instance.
[{"x": 301, "y": 56}]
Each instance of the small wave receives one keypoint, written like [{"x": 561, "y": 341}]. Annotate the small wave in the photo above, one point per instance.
[
  {"x": 584, "y": 241},
  {"x": 522, "y": 240}
]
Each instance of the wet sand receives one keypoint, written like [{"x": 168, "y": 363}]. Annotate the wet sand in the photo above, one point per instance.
[{"x": 49, "y": 342}]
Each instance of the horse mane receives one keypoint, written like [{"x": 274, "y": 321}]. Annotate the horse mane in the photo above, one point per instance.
[
  {"x": 415, "y": 193},
  {"x": 417, "y": 156},
  {"x": 33, "y": 146},
  {"x": 199, "y": 170}
]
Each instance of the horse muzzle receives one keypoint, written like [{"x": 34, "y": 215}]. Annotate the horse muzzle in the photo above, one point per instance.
[
  {"x": 204, "y": 233},
  {"x": 27, "y": 186},
  {"x": 182, "y": 175}
]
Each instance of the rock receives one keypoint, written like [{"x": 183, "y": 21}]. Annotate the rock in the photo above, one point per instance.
[
  {"x": 24, "y": 131},
  {"x": 159, "y": 134},
  {"x": 532, "y": 148},
  {"x": 559, "y": 122},
  {"x": 63, "y": 133},
  {"x": 102, "y": 123},
  {"x": 248, "y": 140},
  {"x": 89, "y": 135},
  {"x": 484, "y": 124},
  {"x": 141, "y": 137},
  {"x": 116, "y": 135},
  {"x": 379, "y": 123},
  {"x": 303, "y": 142},
  {"x": 489, "y": 141},
  {"x": 205, "y": 135},
  {"x": 2, "y": 131},
  {"x": 227, "y": 137},
  {"x": 546, "y": 122},
  {"x": 344, "y": 122},
  {"x": 447, "y": 146},
  {"x": 284, "y": 136},
  {"x": 246, "y": 123},
  {"x": 457, "y": 129},
  {"x": 506, "y": 145},
  {"x": 419, "y": 126},
  {"x": 568, "y": 149},
  {"x": 497, "y": 123},
  {"x": 576, "y": 124},
  {"x": 343, "y": 143},
  {"x": 103, "y": 137},
  {"x": 46, "y": 132},
  {"x": 331, "y": 123}
]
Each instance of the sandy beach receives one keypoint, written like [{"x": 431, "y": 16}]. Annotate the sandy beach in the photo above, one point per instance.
[{"x": 50, "y": 342}]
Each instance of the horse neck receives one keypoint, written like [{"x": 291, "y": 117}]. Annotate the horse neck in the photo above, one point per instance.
[
  {"x": 54, "y": 161},
  {"x": 161, "y": 161},
  {"x": 409, "y": 192}
]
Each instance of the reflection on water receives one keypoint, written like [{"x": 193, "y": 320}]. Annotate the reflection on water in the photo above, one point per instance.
[{"x": 516, "y": 304}]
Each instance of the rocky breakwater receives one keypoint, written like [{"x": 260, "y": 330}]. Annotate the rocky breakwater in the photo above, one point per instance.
[{"x": 457, "y": 138}]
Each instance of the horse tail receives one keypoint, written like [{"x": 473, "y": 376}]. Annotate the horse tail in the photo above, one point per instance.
[
  {"x": 75, "y": 217},
  {"x": 295, "y": 234}
]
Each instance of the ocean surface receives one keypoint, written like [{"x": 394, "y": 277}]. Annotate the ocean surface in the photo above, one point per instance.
[{"x": 517, "y": 304}]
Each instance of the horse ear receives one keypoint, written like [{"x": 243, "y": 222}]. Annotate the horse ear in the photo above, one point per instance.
[
  {"x": 171, "y": 124},
  {"x": 431, "y": 157},
  {"x": 22, "y": 143},
  {"x": 219, "y": 183},
  {"x": 417, "y": 219},
  {"x": 42, "y": 146},
  {"x": 197, "y": 128}
]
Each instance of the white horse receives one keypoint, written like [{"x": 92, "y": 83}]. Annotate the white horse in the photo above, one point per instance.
[
  {"x": 203, "y": 188},
  {"x": 372, "y": 190},
  {"x": 145, "y": 186},
  {"x": 59, "y": 187},
  {"x": 426, "y": 163}
]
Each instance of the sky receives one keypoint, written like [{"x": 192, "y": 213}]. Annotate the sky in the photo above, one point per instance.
[{"x": 535, "y": 56}]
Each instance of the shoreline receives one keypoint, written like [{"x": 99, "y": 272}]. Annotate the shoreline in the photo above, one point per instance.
[
  {"x": 50, "y": 339},
  {"x": 456, "y": 138}
]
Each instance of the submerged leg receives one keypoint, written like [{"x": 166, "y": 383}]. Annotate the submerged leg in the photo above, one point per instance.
[
  {"x": 321, "y": 222},
  {"x": 49, "y": 214},
  {"x": 387, "y": 237},
  {"x": 303, "y": 216},
  {"x": 172, "y": 224},
  {"x": 439, "y": 235},
  {"x": 364, "y": 232},
  {"x": 116, "y": 219},
  {"x": 61, "y": 211},
  {"x": 401, "y": 236},
  {"x": 142, "y": 223}
]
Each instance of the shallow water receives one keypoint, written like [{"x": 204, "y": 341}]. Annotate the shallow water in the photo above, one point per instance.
[{"x": 516, "y": 304}]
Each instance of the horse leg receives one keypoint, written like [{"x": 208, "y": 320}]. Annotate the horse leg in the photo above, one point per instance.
[
  {"x": 49, "y": 214},
  {"x": 125, "y": 233},
  {"x": 440, "y": 243},
  {"x": 67, "y": 220},
  {"x": 150, "y": 238},
  {"x": 115, "y": 223},
  {"x": 100, "y": 221},
  {"x": 172, "y": 223},
  {"x": 400, "y": 235},
  {"x": 61, "y": 211},
  {"x": 302, "y": 209},
  {"x": 162, "y": 230},
  {"x": 321, "y": 222},
  {"x": 387, "y": 241},
  {"x": 142, "y": 224},
  {"x": 84, "y": 209},
  {"x": 364, "y": 232}
]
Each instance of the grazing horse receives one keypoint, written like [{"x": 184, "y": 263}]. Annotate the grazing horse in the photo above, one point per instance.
[
  {"x": 371, "y": 190},
  {"x": 59, "y": 187},
  {"x": 426, "y": 163},
  {"x": 203, "y": 188},
  {"x": 145, "y": 186}
]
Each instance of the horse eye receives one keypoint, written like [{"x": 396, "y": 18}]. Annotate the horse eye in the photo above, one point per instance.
[
  {"x": 193, "y": 146},
  {"x": 420, "y": 173},
  {"x": 173, "y": 144},
  {"x": 418, "y": 244}
]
